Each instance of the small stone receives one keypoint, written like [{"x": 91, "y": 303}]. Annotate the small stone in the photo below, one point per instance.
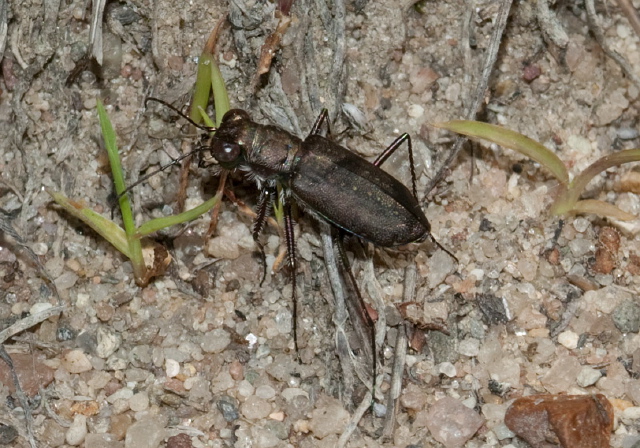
[
  {"x": 277, "y": 416},
  {"x": 631, "y": 413},
  {"x": 139, "y": 402},
  {"x": 539, "y": 418},
  {"x": 626, "y": 316},
  {"x": 145, "y": 433},
  {"x": 229, "y": 408},
  {"x": 108, "y": 343},
  {"x": 562, "y": 374},
  {"x": 179, "y": 441},
  {"x": 215, "y": 341},
  {"x": 265, "y": 392},
  {"x": 569, "y": 339},
  {"x": 75, "y": 361},
  {"x": 236, "y": 370},
  {"x": 223, "y": 247},
  {"x": 447, "y": 369},
  {"x": 413, "y": 397},
  {"x": 415, "y": 111},
  {"x": 452, "y": 423},
  {"x": 77, "y": 431},
  {"x": 255, "y": 408},
  {"x": 119, "y": 424},
  {"x": 588, "y": 376},
  {"x": 328, "y": 418},
  {"x": 103, "y": 440},
  {"x": 7, "y": 434},
  {"x": 32, "y": 373},
  {"x": 171, "y": 367},
  {"x": 469, "y": 347}
]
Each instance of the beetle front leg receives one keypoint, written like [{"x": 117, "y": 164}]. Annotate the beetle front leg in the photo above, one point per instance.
[
  {"x": 391, "y": 149},
  {"x": 322, "y": 118},
  {"x": 264, "y": 204}
]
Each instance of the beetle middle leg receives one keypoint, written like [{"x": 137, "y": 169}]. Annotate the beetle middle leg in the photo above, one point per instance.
[{"x": 291, "y": 252}]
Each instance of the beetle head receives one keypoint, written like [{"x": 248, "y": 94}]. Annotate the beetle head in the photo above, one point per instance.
[{"x": 230, "y": 141}]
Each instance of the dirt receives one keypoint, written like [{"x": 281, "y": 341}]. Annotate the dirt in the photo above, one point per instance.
[{"x": 207, "y": 350}]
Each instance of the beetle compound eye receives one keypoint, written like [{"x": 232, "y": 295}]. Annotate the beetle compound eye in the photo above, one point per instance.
[{"x": 225, "y": 152}]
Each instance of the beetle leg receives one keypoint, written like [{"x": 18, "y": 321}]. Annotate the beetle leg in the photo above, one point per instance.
[
  {"x": 264, "y": 204},
  {"x": 322, "y": 118},
  {"x": 291, "y": 252},
  {"x": 362, "y": 305},
  {"x": 391, "y": 149}
]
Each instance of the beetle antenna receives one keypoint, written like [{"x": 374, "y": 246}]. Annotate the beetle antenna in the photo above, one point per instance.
[
  {"x": 443, "y": 248},
  {"x": 159, "y": 170},
  {"x": 179, "y": 112}
]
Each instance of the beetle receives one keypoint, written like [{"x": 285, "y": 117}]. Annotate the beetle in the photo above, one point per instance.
[{"x": 326, "y": 179}]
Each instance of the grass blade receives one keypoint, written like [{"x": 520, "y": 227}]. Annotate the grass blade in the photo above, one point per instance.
[{"x": 512, "y": 140}]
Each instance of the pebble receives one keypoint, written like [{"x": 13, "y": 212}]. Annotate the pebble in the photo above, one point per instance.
[
  {"x": 145, "y": 433},
  {"x": 415, "y": 111},
  {"x": 328, "y": 418},
  {"x": 631, "y": 413},
  {"x": 108, "y": 343},
  {"x": 139, "y": 402},
  {"x": 447, "y": 369},
  {"x": 265, "y": 392},
  {"x": 539, "y": 418},
  {"x": 228, "y": 407},
  {"x": 626, "y": 316},
  {"x": 75, "y": 361},
  {"x": 469, "y": 347},
  {"x": 562, "y": 374},
  {"x": 179, "y": 441},
  {"x": 588, "y": 376},
  {"x": 102, "y": 440},
  {"x": 7, "y": 434},
  {"x": 452, "y": 423},
  {"x": 171, "y": 367},
  {"x": 255, "y": 408},
  {"x": 77, "y": 431},
  {"x": 245, "y": 388},
  {"x": 215, "y": 341},
  {"x": 569, "y": 339}
]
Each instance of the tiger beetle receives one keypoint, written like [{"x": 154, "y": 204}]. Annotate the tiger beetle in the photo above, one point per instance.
[{"x": 333, "y": 184}]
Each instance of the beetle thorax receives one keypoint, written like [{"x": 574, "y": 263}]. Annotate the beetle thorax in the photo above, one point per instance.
[{"x": 272, "y": 153}]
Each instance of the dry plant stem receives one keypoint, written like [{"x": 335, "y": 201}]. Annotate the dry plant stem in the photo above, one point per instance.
[
  {"x": 492, "y": 55},
  {"x": 552, "y": 30},
  {"x": 3, "y": 27},
  {"x": 95, "y": 34},
  {"x": 6, "y": 227},
  {"x": 628, "y": 10},
  {"x": 29, "y": 321},
  {"x": 397, "y": 372},
  {"x": 592, "y": 20},
  {"x": 22, "y": 398},
  {"x": 363, "y": 407},
  {"x": 340, "y": 315},
  {"x": 400, "y": 356}
]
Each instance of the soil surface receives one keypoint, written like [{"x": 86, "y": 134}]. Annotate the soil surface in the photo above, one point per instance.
[{"x": 204, "y": 355}]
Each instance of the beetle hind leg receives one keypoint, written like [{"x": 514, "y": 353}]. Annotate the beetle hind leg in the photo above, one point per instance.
[{"x": 391, "y": 149}]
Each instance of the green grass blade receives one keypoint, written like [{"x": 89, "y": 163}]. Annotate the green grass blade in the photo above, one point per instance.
[
  {"x": 567, "y": 200},
  {"x": 512, "y": 140},
  {"x": 104, "y": 227},
  {"x": 601, "y": 208},
  {"x": 220, "y": 96},
  {"x": 135, "y": 248},
  {"x": 160, "y": 223},
  {"x": 202, "y": 89}
]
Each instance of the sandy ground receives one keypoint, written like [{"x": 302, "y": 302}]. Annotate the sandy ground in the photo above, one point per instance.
[{"x": 528, "y": 306}]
